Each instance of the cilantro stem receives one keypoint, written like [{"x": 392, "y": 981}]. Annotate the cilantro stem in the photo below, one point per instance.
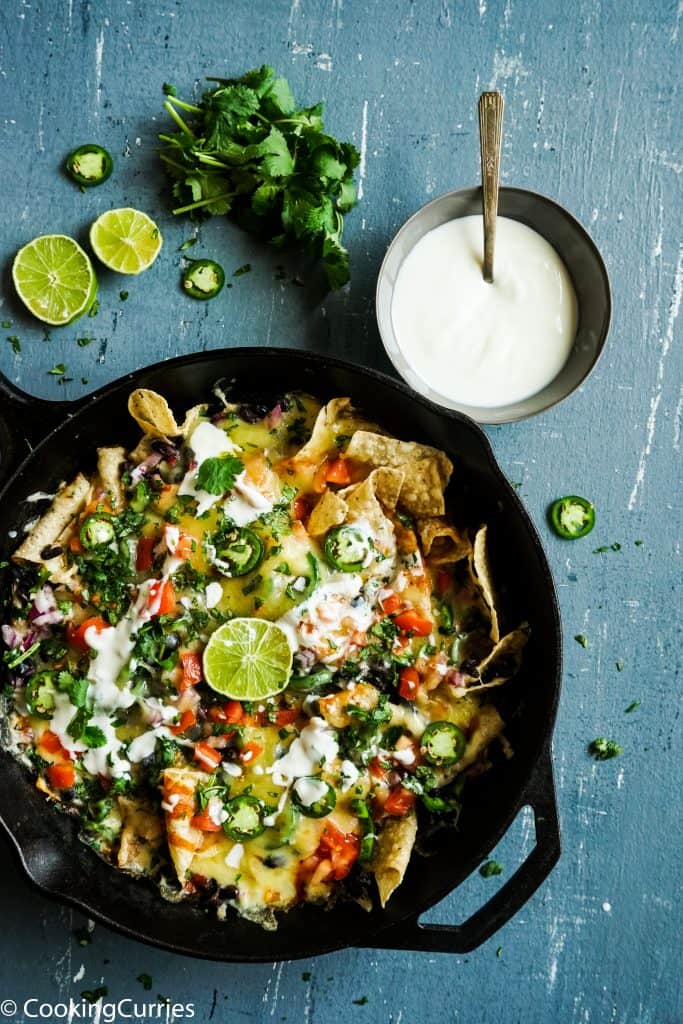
[
  {"x": 178, "y": 119},
  {"x": 203, "y": 202},
  {"x": 183, "y": 105},
  {"x": 173, "y": 163}
]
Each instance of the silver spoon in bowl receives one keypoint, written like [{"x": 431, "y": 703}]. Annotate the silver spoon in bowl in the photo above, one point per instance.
[{"x": 491, "y": 106}]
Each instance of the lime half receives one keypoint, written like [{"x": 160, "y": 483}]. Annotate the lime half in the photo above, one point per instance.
[
  {"x": 54, "y": 278},
  {"x": 248, "y": 659},
  {"x": 126, "y": 240}
]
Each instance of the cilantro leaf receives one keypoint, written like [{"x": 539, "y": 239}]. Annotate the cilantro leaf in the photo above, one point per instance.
[
  {"x": 603, "y": 750},
  {"x": 93, "y": 736},
  {"x": 216, "y": 476}
]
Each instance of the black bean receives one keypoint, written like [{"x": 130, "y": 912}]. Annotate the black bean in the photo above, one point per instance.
[
  {"x": 166, "y": 450},
  {"x": 25, "y": 668},
  {"x": 228, "y": 892},
  {"x": 51, "y": 551},
  {"x": 275, "y": 860}
]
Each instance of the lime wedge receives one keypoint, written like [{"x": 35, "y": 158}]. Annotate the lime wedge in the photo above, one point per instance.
[
  {"x": 248, "y": 659},
  {"x": 126, "y": 240},
  {"x": 54, "y": 278}
]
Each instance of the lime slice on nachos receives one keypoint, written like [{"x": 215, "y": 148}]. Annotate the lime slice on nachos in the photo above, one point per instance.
[{"x": 248, "y": 659}]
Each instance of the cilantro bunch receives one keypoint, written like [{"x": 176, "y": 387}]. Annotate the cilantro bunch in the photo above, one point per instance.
[{"x": 247, "y": 151}]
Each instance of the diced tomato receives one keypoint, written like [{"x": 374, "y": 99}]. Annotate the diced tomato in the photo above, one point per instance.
[
  {"x": 250, "y": 751},
  {"x": 205, "y": 822},
  {"x": 409, "y": 682},
  {"x": 390, "y": 604},
  {"x": 207, "y": 757},
  {"x": 301, "y": 509},
  {"x": 75, "y": 544},
  {"x": 234, "y": 712},
  {"x": 187, "y": 720},
  {"x": 180, "y": 547},
  {"x": 50, "y": 741},
  {"x": 144, "y": 555},
  {"x": 320, "y": 478},
  {"x": 341, "y": 848},
  {"x": 377, "y": 770},
  {"x": 192, "y": 669},
  {"x": 338, "y": 472},
  {"x": 76, "y": 635},
  {"x": 162, "y": 597},
  {"x": 61, "y": 776},
  {"x": 286, "y": 716},
  {"x": 399, "y": 802},
  {"x": 443, "y": 582},
  {"x": 411, "y": 622}
]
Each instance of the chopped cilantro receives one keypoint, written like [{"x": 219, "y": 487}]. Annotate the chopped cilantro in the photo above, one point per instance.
[
  {"x": 84, "y": 342},
  {"x": 603, "y": 750},
  {"x": 490, "y": 868},
  {"x": 187, "y": 244},
  {"x": 94, "y": 995},
  {"x": 6, "y": 324},
  {"x": 94, "y": 309},
  {"x": 620, "y": 666},
  {"x": 639, "y": 543},
  {"x": 123, "y": 295},
  {"x": 306, "y": 976},
  {"x": 360, "y": 1002},
  {"x": 15, "y": 343},
  {"x": 58, "y": 369},
  {"x": 581, "y": 639},
  {"x": 244, "y": 269},
  {"x": 632, "y": 706},
  {"x": 145, "y": 980}
]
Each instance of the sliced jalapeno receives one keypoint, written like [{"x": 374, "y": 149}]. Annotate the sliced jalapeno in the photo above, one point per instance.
[
  {"x": 303, "y": 586},
  {"x": 40, "y": 695},
  {"x": 346, "y": 549},
  {"x": 367, "y": 844},
  {"x": 89, "y": 165},
  {"x": 96, "y": 531},
  {"x": 203, "y": 279},
  {"x": 315, "y": 680},
  {"x": 314, "y": 797},
  {"x": 572, "y": 517},
  {"x": 245, "y": 818},
  {"x": 240, "y": 552},
  {"x": 443, "y": 743}
]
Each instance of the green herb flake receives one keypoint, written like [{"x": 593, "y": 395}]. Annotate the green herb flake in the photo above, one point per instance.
[
  {"x": 604, "y": 750},
  {"x": 95, "y": 994},
  {"x": 84, "y": 342},
  {"x": 632, "y": 706},
  {"x": 83, "y": 936},
  {"x": 244, "y": 269},
  {"x": 499, "y": 952},
  {"x": 490, "y": 868},
  {"x": 169, "y": 90},
  {"x": 58, "y": 369},
  {"x": 94, "y": 309},
  {"x": 123, "y": 295},
  {"x": 619, "y": 665},
  {"x": 581, "y": 639},
  {"x": 84, "y": 380},
  {"x": 639, "y": 543},
  {"x": 187, "y": 244},
  {"x": 360, "y": 1002},
  {"x": 6, "y": 324},
  {"x": 145, "y": 980},
  {"x": 15, "y": 343},
  {"x": 306, "y": 976}
]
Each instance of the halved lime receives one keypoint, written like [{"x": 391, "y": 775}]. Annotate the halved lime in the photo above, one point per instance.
[
  {"x": 126, "y": 240},
  {"x": 54, "y": 278},
  {"x": 248, "y": 659}
]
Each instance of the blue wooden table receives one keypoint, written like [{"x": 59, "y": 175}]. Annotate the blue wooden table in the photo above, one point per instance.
[{"x": 593, "y": 101}]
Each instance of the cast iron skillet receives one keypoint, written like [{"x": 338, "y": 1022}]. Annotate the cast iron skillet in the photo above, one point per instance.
[{"x": 55, "y": 439}]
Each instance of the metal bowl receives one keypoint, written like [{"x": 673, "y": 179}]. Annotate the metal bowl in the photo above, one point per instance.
[{"x": 580, "y": 256}]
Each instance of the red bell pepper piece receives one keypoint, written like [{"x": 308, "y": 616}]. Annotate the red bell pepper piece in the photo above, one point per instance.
[
  {"x": 411, "y": 622},
  {"x": 409, "y": 682}
]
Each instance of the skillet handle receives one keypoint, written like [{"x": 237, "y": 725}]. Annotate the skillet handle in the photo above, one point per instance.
[
  {"x": 462, "y": 938},
  {"x": 24, "y": 421}
]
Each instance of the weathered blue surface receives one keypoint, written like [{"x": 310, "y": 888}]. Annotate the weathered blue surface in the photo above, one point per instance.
[{"x": 593, "y": 119}]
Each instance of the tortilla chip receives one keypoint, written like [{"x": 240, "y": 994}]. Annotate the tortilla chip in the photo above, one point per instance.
[
  {"x": 183, "y": 838},
  {"x": 392, "y": 854},
  {"x": 426, "y": 470},
  {"x": 502, "y": 663},
  {"x": 441, "y": 542},
  {"x": 366, "y": 500},
  {"x": 337, "y": 419},
  {"x": 152, "y": 413},
  {"x": 486, "y": 727},
  {"x": 109, "y": 462},
  {"x": 330, "y": 511},
  {"x": 54, "y": 527},
  {"x": 192, "y": 418},
  {"x": 481, "y": 573},
  {"x": 142, "y": 449},
  {"x": 141, "y": 836}
]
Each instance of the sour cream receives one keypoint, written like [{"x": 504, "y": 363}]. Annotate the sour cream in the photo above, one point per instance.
[{"x": 484, "y": 344}]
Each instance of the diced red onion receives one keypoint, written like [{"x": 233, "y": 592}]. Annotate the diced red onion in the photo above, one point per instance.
[
  {"x": 274, "y": 416},
  {"x": 10, "y": 636},
  {"x": 145, "y": 468}
]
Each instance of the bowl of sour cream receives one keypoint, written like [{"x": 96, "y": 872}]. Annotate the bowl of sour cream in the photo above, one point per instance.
[{"x": 503, "y": 351}]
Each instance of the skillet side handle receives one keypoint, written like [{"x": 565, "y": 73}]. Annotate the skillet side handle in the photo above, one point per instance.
[
  {"x": 24, "y": 422},
  {"x": 462, "y": 938}
]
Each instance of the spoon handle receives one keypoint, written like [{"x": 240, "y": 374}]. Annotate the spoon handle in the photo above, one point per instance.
[{"x": 490, "y": 135}]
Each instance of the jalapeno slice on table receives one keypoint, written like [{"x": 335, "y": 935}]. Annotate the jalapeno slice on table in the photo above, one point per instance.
[
  {"x": 443, "y": 743},
  {"x": 239, "y": 552},
  {"x": 245, "y": 818},
  {"x": 40, "y": 695},
  {"x": 203, "y": 279},
  {"x": 89, "y": 165},
  {"x": 96, "y": 531},
  {"x": 346, "y": 549},
  {"x": 572, "y": 517},
  {"x": 314, "y": 797}
]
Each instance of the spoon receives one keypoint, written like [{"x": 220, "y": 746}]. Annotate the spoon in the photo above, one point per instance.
[{"x": 490, "y": 134}]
